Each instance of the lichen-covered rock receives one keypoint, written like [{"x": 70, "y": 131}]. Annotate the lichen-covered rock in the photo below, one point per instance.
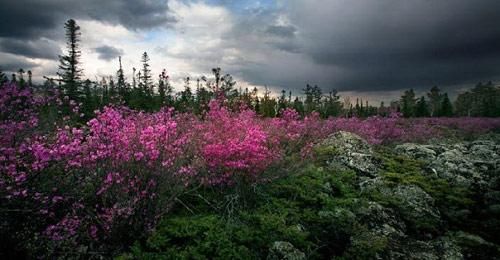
[
  {"x": 381, "y": 220},
  {"x": 475, "y": 247},
  {"x": 416, "y": 203},
  {"x": 411, "y": 201},
  {"x": 352, "y": 151},
  {"x": 443, "y": 248},
  {"x": 284, "y": 250},
  {"x": 420, "y": 152},
  {"x": 465, "y": 164}
]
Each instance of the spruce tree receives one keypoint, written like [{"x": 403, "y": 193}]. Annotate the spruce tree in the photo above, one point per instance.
[
  {"x": 30, "y": 79},
  {"x": 435, "y": 99},
  {"x": 446, "y": 107},
  {"x": 408, "y": 103},
  {"x": 69, "y": 67},
  {"x": 22, "y": 82},
  {"x": 3, "y": 78},
  {"x": 422, "y": 109},
  {"x": 122, "y": 85},
  {"x": 146, "y": 80}
]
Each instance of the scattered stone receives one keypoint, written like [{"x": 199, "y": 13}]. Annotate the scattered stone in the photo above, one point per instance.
[
  {"x": 419, "y": 152},
  {"x": 284, "y": 250},
  {"x": 416, "y": 203},
  {"x": 351, "y": 151}
]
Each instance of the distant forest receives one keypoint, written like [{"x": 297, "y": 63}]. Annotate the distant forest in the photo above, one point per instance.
[{"x": 146, "y": 92}]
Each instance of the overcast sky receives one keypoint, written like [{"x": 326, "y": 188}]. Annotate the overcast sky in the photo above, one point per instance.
[{"x": 371, "y": 48}]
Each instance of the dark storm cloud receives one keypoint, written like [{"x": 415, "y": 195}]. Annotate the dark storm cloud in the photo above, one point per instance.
[
  {"x": 349, "y": 45},
  {"x": 12, "y": 63},
  {"x": 43, "y": 48},
  {"x": 108, "y": 53},
  {"x": 391, "y": 44},
  {"x": 32, "y": 19}
]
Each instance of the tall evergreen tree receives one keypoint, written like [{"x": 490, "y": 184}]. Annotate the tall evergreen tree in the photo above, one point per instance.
[
  {"x": 408, "y": 103},
  {"x": 69, "y": 67},
  {"x": 282, "y": 102},
  {"x": 422, "y": 108},
  {"x": 30, "y": 79},
  {"x": 162, "y": 91},
  {"x": 435, "y": 100},
  {"x": 3, "y": 78},
  {"x": 298, "y": 105},
  {"x": 446, "y": 107},
  {"x": 333, "y": 106},
  {"x": 122, "y": 85},
  {"x": 146, "y": 80},
  {"x": 22, "y": 82}
]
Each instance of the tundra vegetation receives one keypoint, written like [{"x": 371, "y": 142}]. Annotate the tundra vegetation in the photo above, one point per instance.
[{"x": 104, "y": 169}]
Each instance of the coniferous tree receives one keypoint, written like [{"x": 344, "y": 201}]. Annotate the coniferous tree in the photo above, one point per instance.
[
  {"x": 203, "y": 96},
  {"x": 89, "y": 104},
  {"x": 463, "y": 104},
  {"x": 333, "y": 106},
  {"x": 422, "y": 108},
  {"x": 113, "y": 93},
  {"x": 446, "y": 107},
  {"x": 216, "y": 72},
  {"x": 408, "y": 103},
  {"x": 185, "y": 101},
  {"x": 162, "y": 91},
  {"x": 308, "y": 103},
  {"x": 482, "y": 100},
  {"x": 268, "y": 105},
  {"x": 298, "y": 105},
  {"x": 3, "y": 78},
  {"x": 435, "y": 100},
  {"x": 121, "y": 83},
  {"x": 282, "y": 102},
  {"x": 313, "y": 98},
  {"x": 22, "y": 82},
  {"x": 30, "y": 79},
  {"x": 146, "y": 80},
  {"x": 69, "y": 67}
]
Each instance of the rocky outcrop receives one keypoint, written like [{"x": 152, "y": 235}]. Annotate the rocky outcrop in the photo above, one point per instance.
[
  {"x": 350, "y": 150},
  {"x": 474, "y": 166},
  {"x": 443, "y": 248},
  {"x": 411, "y": 202},
  {"x": 421, "y": 152},
  {"x": 282, "y": 250},
  {"x": 470, "y": 164}
]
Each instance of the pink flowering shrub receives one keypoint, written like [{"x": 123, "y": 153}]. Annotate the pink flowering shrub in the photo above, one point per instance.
[
  {"x": 235, "y": 145},
  {"x": 130, "y": 166}
]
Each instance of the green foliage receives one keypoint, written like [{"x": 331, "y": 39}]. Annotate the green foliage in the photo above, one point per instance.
[
  {"x": 315, "y": 207},
  {"x": 408, "y": 103},
  {"x": 195, "y": 237},
  {"x": 310, "y": 209}
]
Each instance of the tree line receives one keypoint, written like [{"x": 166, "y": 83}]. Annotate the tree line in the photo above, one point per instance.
[{"x": 146, "y": 92}]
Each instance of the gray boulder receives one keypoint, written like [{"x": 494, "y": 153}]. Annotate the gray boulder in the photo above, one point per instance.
[
  {"x": 413, "y": 203},
  {"x": 416, "y": 204},
  {"x": 284, "y": 250},
  {"x": 443, "y": 248},
  {"x": 466, "y": 164},
  {"x": 351, "y": 151},
  {"x": 420, "y": 152},
  {"x": 382, "y": 221}
]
